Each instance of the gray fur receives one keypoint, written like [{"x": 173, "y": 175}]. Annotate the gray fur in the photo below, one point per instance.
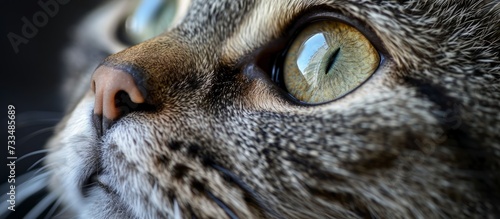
[{"x": 420, "y": 139}]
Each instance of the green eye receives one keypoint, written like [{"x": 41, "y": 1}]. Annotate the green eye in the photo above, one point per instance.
[
  {"x": 327, "y": 60},
  {"x": 151, "y": 18}
]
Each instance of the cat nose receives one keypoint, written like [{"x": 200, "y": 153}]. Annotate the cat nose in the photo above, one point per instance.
[{"x": 117, "y": 93}]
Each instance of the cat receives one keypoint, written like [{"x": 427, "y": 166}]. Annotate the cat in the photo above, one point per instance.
[{"x": 288, "y": 109}]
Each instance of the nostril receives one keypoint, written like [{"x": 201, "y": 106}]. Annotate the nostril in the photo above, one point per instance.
[{"x": 116, "y": 94}]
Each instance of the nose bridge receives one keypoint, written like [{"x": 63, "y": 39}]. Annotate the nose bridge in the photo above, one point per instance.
[
  {"x": 157, "y": 62},
  {"x": 152, "y": 56},
  {"x": 136, "y": 77}
]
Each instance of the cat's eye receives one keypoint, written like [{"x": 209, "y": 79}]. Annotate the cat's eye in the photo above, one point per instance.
[
  {"x": 153, "y": 17},
  {"x": 327, "y": 60}
]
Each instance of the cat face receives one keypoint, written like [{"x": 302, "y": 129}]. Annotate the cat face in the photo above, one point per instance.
[{"x": 291, "y": 109}]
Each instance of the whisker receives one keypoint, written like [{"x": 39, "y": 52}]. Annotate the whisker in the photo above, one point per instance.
[
  {"x": 41, "y": 169},
  {"x": 177, "y": 210},
  {"x": 255, "y": 196},
  {"x": 41, "y": 206},
  {"x": 53, "y": 208},
  {"x": 223, "y": 205},
  {"x": 26, "y": 189},
  {"x": 62, "y": 211},
  {"x": 37, "y": 117},
  {"x": 37, "y": 122},
  {"x": 32, "y": 154},
  {"x": 37, "y": 162},
  {"x": 33, "y": 179},
  {"x": 34, "y": 134}
]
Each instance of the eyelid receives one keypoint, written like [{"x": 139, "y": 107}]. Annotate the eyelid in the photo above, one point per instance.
[
  {"x": 324, "y": 13},
  {"x": 308, "y": 18},
  {"x": 269, "y": 57}
]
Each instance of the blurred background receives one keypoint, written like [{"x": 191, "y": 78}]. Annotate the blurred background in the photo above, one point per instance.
[{"x": 31, "y": 81}]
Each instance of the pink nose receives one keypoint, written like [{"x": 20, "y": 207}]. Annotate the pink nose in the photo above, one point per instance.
[{"x": 116, "y": 94}]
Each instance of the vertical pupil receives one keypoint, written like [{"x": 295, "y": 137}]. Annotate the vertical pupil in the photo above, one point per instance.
[
  {"x": 327, "y": 60},
  {"x": 331, "y": 61}
]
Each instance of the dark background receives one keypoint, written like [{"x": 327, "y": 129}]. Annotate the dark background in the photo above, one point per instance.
[{"x": 31, "y": 80}]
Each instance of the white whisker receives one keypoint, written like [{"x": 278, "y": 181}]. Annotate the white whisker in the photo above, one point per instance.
[
  {"x": 41, "y": 206},
  {"x": 43, "y": 168},
  {"x": 34, "y": 177},
  {"x": 37, "y": 122},
  {"x": 62, "y": 211},
  {"x": 26, "y": 189},
  {"x": 177, "y": 210},
  {"x": 37, "y": 117},
  {"x": 34, "y": 134},
  {"x": 32, "y": 154},
  {"x": 53, "y": 209},
  {"x": 36, "y": 163}
]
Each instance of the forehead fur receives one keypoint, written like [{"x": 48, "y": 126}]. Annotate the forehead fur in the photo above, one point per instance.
[
  {"x": 386, "y": 150},
  {"x": 409, "y": 30}
]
